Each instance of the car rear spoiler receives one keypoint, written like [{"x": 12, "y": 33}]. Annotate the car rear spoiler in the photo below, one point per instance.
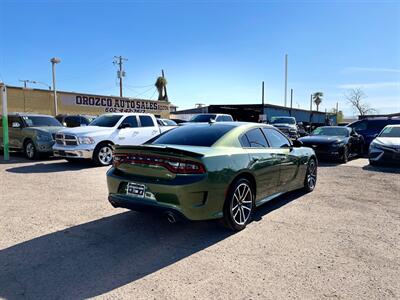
[{"x": 160, "y": 149}]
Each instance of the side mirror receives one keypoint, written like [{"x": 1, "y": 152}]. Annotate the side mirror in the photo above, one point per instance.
[
  {"x": 16, "y": 125},
  {"x": 124, "y": 125},
  {"x": 297, "y": 143}
]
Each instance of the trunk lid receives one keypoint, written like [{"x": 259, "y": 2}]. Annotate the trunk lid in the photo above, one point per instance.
[{"x": 157, "y": 161}]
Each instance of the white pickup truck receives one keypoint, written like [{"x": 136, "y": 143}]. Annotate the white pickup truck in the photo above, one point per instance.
[{"x": 95, "y": 141}]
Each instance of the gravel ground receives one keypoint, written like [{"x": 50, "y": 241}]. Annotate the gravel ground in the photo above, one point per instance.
[{"x": 59, "y": 238}]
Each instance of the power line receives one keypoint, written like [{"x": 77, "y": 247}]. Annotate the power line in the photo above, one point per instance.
[
  {"x": 139, "y": 86},
  {"x": 144, "y": 92},
  {"x": 155, "y": 90}
]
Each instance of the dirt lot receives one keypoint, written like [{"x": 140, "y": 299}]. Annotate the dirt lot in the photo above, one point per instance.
[{"x": 59, "y": 238}]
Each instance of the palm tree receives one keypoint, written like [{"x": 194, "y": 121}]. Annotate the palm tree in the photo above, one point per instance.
[
  {"x": 160, "y": 84},
  {"x": 317, "y": 98}
]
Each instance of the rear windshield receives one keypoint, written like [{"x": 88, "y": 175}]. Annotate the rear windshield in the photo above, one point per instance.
[
  {"x": 283, "y": 120},
  {"x": 40, "y": 121},
  {"x": 193, "y": 135},
  {"x": 106, "y": 121},
  {"x": 390, "y": 131},
  {"x": 203, "y": 118},
  {"x": 331, "y": 131}
]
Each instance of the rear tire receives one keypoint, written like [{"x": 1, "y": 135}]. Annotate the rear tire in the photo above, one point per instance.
[
  {"x": 30, "y": 150},
  {"x": 239, "y": 205},
  {"x": 310, "y": 181},
  {"x": 102, "y": 155}
]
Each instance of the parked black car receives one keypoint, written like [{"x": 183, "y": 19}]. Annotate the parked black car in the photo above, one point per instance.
[
  {"x": 335, "y": 142},
  {"x": 369, "y": 128},
  {"x": 75, "y": 120}
]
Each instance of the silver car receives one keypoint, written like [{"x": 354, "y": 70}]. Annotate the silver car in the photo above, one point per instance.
[{"x": 386, "y": 146}]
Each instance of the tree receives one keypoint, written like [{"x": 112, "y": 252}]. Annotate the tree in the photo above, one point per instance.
[
  {"x": 317, "y": 98},
  {"x": 356, "y": 98},
  {"x": 161, "y": 84}
]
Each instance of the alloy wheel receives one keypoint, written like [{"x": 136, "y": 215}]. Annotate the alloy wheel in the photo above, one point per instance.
[
  {"x": 312, "y": 174},
  {"x": 105, "y": 155},
  {"x": 30, "y": 150},
  {"x": 242, "y": 204}
]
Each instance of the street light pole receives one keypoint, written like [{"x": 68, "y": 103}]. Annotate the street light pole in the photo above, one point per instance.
[
  {"x": 3, "y": 93},
  {"x": 55, "y": 61}
]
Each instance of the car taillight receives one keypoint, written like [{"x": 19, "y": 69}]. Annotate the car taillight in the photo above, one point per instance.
[{"x": 175, "y": 165}]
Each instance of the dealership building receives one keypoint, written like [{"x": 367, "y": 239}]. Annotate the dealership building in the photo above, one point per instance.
[
  {"x": 253, "y": 112},
  {"x": 42, "y": 102}
]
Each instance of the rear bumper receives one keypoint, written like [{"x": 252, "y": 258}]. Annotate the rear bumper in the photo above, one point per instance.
[
  {"x": 82, "y": 151},
  {"x": 200, "y": 199},
  {"x": 143, "y": 205}
]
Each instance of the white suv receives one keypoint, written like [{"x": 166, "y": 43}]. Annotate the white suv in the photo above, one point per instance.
[{"x": 95, "y": 141}]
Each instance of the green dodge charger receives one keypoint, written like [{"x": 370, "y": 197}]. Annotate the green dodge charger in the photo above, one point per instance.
[{"x": 210, "y": 171}]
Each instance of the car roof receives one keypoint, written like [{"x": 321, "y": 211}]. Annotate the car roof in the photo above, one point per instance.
[
  {"x": 23, "y": 114},
  {"x": 231, "y": 123},
  {"x": 393, "y": 125},
  {"x": 125, "y": 114}
]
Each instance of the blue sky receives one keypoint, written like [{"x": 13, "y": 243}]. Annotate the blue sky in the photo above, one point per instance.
[{"x": 211, "y": 51}]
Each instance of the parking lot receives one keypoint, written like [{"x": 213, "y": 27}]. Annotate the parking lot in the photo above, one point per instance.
[{"x": 60, "y": 238}]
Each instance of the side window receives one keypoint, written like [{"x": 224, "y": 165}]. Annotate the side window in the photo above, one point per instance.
[
  {"x": 84, "y": 121},
  {"x": 219, "y": 119},
  {"x": 72, "y": 121},
  {"x": 362, "y": 125},
  {"x": 131, "y": 120},
  {"x": 275, "y": 138},
  {"x": 13, "y": 119},
  {"x": 256, "y": 138},
  {"x": 227, "y": 118},
  {"x": 146, "y": 121},
  {"x": 244, "y": 141},
  {"x": 377, "y": 125}
]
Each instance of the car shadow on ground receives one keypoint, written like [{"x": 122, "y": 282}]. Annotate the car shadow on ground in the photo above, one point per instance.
[
  {"x": 51, "y": 167},
  {"x": 276, "y": 204},
  {"x": 91, "y": 259},
  {"x": 94, "y": 258},
  {"x": 19, "y": 158},
  {"x": 383, "y": 168}
]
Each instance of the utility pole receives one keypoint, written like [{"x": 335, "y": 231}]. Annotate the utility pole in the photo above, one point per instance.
[
  {"x": 262, "y": 101},
  {"x": 3, "y": 93},
  {"x": 165, "y": 87},
  {"x": 291, "y": 101},
  {"x": 55, "y": 61},
  {"x": 119, "y": 60},
  {"x": 286, "y": 75},
  {"x": 310, "y": 111},
  {"x": 25, "y": 81},
  {"x": 337, "y": 112}
]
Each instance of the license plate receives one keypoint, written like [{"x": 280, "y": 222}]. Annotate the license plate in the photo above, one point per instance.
[{"x": 135, "y": 189}]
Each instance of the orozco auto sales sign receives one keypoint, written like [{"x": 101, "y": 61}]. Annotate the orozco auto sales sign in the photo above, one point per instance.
[{"x": 114, "y": 104}]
